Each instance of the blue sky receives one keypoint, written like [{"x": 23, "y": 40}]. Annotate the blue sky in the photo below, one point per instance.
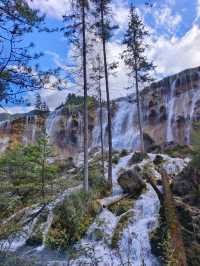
[{"x": 175, "y": 40}]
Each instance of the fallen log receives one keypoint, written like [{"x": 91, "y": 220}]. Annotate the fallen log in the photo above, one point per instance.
[
  {"x": 109, "y": 201},
  {"x": 152, "y": 183},
  {"x": 178, "y": 254}
]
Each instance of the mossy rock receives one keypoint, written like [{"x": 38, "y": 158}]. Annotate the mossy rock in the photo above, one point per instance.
[
  {"x": 137, "y": 157},
  {"x": 158, "y": 160},
  {"x": 122, "y": 206},
  {"x": 123, "y": 153},
  {"x": 158, "y": 239},
  {"x": 180, "y": 151},
  {"x": 131, "y": 182},
  {"x": 123, "y": 222}
]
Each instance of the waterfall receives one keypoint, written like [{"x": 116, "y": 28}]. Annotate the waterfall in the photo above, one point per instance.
[
  {"x": 195, "y": 98},
  {"x": 124, "y": 127},
  {"x": 52, "y": 122},
  {"x": 169, "y": 133}
]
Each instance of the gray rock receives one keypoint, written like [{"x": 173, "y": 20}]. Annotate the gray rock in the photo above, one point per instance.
[{"x": 131, "y": 182}]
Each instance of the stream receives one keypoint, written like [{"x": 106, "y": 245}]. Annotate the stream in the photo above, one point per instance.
[{"x": 134, "y": 247}]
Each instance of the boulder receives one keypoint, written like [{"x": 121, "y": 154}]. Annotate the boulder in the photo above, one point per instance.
[
  {"x": 131, "y": 182},
  {"x": 137, "y": 157},
  {"x": 158, "y": 160},
  {"x": 186, "y": 185}
]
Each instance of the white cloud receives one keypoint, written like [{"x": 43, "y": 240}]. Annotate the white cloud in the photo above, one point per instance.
[
  {"x": 52, "y": 8},
  {"x": 166, "y": 19},
  {"x": 170, "y": 54},
  {"x": 176, "y": 54}
]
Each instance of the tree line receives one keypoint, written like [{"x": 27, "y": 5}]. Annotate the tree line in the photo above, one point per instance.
[
  {"x": 88, "y": 26},
  {"x": 95, "y": 19}
]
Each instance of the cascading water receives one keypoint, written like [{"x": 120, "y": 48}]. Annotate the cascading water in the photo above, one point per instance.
[
  {"x": 134, "y": 246},
  {"x": 52, "y": 122},
  {"x": 169, "y": 131},
  {"x": 195, "y": 98},
  {"x": 124, "y": 127}
]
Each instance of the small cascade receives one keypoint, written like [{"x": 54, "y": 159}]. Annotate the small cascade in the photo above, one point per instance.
[
  {"x": 124, "y": 127},
  {"x": 134, "y": 246},
  {"x": 17, "y": 240},
  {"x": 52, "y": 122},
  {"x": 170, "y": 108},
  {"x": 195, "y": 98},
  {"x": 96, "y": 134},
  {"x": 135, "y": 243}
]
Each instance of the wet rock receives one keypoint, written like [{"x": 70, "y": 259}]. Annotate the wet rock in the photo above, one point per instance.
[
  {"x": 148, "y": 141},
  {"x": 158, "y": 160},
  {"x": 131, "y": 182},
  {"x": 137, "y": 157},
  {"x": 186, "y": 185}
]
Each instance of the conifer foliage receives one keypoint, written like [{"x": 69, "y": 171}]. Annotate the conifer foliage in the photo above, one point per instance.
[{"x": 134, "y": 57}]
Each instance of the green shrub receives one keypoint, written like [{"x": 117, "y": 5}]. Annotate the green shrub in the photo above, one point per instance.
[{"x": 72, "y": 219}]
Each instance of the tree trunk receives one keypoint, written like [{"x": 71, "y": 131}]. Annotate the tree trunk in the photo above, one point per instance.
[
  {"x": 139, "y": 113},
  {"x": 152, "y": 183},
  {"x": 43, "y": 172},
  {"x": 177, "y": 249},
  {"x": 108, "y": 97},
  {"x": 85, "y": 112},
  {"x": 101, "y": 121}
]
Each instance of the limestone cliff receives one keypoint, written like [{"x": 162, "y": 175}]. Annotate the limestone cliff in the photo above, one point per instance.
[{"x": 170, "y": 108}]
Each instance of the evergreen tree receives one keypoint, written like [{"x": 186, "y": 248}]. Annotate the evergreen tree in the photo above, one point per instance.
[
  {"x": 134, "y": 57},
  {"x": 104, "y": 31},
  {"x": 44, "y": 107},
  {"x": 27, "y": 166},
  {"x": 38, "y": 102},
  {"x": 75, "y": 29},
  {"x": 16, "y": 75},
  {"x": 19, "y": 69},
  {"x": 96, "y": 79}
]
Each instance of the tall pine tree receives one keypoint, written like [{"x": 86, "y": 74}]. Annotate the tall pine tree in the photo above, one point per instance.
[
  {"x": 104, "y": 31},
  {"x": 134, "y": 57},
  {"x": 75, "y": 29}
]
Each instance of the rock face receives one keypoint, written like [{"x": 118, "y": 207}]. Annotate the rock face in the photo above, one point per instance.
[
  {"x": 170, "y": 109},
  {"x": 131, "y": 182},
  {"x": 186, "y": 189}
]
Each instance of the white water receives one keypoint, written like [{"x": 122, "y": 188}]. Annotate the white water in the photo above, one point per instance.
[
  {"x": 169, "y": 133},
  {"x": 124, "y": 127},
  {"x": 134, "y": 246},
  {"x": 18, "y": 240},
  {"x": 195, "y": 98}
]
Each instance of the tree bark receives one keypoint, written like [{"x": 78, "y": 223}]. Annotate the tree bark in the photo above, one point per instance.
[
  {"x": 139, "y": 113},
  {"x": 178, "y": 255},
  {"x": 85, "y": 112},
  {"x": 101, "y": 126},
  {"x": 43, "y": 172},
  {"x": 107, "y": 96}
]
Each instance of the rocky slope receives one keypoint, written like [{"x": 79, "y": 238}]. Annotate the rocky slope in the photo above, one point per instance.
[{"x": 170, "y": 108}]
